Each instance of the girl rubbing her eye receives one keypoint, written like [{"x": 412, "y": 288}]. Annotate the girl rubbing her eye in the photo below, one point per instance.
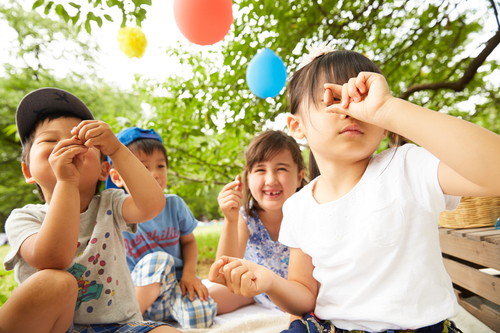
[{"x": 363, "y": 235}]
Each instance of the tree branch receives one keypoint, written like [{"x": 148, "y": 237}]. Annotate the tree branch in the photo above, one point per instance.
[
  {"x": 195, "y": 180},
  {"x": 468, "y": 75},
  {"x": 496, "y": 12}
]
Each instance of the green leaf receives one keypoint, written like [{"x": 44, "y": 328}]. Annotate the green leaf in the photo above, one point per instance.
[
  {"x": 107, "y": 17},
  {"x": 75, "y": 18},
  {"x": 62, "y": 12},
  {"x": 37, "y": 4},
  {"x": 87, "y": 25},
  {"x": 48, "y": 7},
  {"x": 75, "y": 5}
]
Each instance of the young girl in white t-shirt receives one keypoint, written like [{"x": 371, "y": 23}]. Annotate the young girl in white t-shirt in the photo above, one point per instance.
[{"x": 363, "y": 236}]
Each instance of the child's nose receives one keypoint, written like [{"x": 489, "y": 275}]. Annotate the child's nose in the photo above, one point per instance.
[{"x": 271, "y": 178}]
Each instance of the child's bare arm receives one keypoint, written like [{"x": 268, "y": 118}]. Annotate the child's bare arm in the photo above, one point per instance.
[
  {"x": 55, "y": 244},
  {"x": 234, "y": 235},
  {"x": 470, "y": 154},
  {"x": 146, "y": 197},
  {"x": 297, "y": 295},
  {"x": 189, "y": 281}
]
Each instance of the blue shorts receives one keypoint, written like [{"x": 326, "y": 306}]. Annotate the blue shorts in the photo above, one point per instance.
[
  {"x": 309, "y": 323},
  {"x": 135, "y": 327}
]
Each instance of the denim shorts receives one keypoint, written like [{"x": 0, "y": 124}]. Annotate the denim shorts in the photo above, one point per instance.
[
  {"x": 309, "y": 323},
  {"x": 134, "y": 327}
]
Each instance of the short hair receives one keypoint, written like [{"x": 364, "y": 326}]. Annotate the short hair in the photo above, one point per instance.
[
  {"x": 28, "y": 143},
  {"x": 263, "y": 148},
  {"x": 148, "y": 146}
]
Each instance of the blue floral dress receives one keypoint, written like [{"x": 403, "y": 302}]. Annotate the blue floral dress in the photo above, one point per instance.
[{"x": 261, "y": 249}]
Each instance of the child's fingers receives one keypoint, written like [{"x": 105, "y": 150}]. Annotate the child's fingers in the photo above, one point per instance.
[
  {"x": 239, "y": 187},
  {"x": 224, "y": 196},
  {"x": 76, "y": 130},
  {"x": 345, "y": 96},
  {"x": 71, "y": 146},
  {"x": 216, "y": 273},
  {"x": 183, "y": 288},
  {"x": 236, "y": 275},
  {"x": 84, "y": 132},
  {"x": 336, "y": 89},
  {"x": 227, "y": 270},
  {"x": 249, "y": 284},
  {"x": 202, "y": 291},
  {"x": 361, "y": 82},
  {"x": 328, "y": 97},
  {"x": 352, "y": 90},
  {"x": 190, "y": 290},
  {"x": 229, "y": 186}
]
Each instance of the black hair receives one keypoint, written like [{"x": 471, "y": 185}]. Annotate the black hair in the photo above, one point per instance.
[
  {"x": 333, "y": 67},
  {"x": 148, "y": 147}
]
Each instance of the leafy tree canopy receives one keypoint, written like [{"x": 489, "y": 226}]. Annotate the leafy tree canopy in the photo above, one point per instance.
[{"x": 438, "y": 54}]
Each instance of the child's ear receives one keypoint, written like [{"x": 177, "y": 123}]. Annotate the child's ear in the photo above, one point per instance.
[
  {"x": 105, "y": 166},
  {"x": 301, "y": 176},
  {"x": 116, "y": 178},
  {"x": 294, "y": 126},
  {"x": 27, "y": 174}
]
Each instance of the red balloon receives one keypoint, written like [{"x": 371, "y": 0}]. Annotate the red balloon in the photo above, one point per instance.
[{"x": 203, "y": 22}]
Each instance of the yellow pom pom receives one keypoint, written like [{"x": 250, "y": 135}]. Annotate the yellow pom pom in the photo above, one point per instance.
[{"x": 132, "y": 41}]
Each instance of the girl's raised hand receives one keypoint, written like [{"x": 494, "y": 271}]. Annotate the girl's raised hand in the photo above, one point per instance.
[
  {"x": 230, "y": 199},
  {"x": 364, "y": 97},
  {"x": 242, "y": 277}
]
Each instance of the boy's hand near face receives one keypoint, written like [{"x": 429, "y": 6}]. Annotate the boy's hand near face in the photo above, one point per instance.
[
  {"x": 66, "y": 160},
  {"x": 146, "y": 197},
  {"x": 96, "y": 133}
]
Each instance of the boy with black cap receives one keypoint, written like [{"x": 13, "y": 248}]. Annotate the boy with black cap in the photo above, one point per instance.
[
  {"x": 76, "y": 230},
  {"x": 162, "y": 255}
]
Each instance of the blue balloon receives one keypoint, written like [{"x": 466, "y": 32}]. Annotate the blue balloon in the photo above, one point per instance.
[{"x": 266, "y": 74}]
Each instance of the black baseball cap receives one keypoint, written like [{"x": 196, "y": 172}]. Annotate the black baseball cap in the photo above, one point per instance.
[{"x": 43, "y": 101}]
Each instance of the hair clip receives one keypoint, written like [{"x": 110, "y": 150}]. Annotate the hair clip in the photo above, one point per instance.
[{"x": 315, "y": 51}]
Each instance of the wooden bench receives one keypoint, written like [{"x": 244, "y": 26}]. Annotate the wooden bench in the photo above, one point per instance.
[{"x": 472, "y": 258}]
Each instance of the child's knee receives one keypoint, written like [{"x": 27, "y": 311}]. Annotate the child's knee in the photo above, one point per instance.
[
  {"x": 154, "y": 267},
  {"x": 196, "y": 313},
  {"x": 56, "y": 284}
]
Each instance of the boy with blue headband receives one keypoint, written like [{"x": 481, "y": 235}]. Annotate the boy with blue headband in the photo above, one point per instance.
[{"x": 162, "y": 255}]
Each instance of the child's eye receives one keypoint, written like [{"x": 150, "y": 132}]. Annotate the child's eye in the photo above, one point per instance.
[{"x": 161, "y": 166}]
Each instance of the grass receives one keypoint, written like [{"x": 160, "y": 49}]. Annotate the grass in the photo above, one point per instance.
[
  {"x": 206, "y": 237},
  {"x": 7, "y": 282}
]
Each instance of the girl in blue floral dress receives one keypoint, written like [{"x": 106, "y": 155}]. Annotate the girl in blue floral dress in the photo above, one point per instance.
[{"x": 274, "y": 171}]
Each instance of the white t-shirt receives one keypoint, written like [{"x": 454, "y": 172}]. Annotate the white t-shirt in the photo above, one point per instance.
[
  {"x": 106, "y": 293},
  {"x": 376, "y": 250}
]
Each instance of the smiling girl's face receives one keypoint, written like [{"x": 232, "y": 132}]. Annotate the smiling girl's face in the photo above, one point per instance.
[{"x": 272, "y": 182}]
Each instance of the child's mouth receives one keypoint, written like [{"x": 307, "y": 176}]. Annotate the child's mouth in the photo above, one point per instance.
[{"x": 272, "y": 193}]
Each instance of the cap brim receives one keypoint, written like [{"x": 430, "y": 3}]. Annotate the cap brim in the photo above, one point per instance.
[{"x": 47, "y": 100}]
